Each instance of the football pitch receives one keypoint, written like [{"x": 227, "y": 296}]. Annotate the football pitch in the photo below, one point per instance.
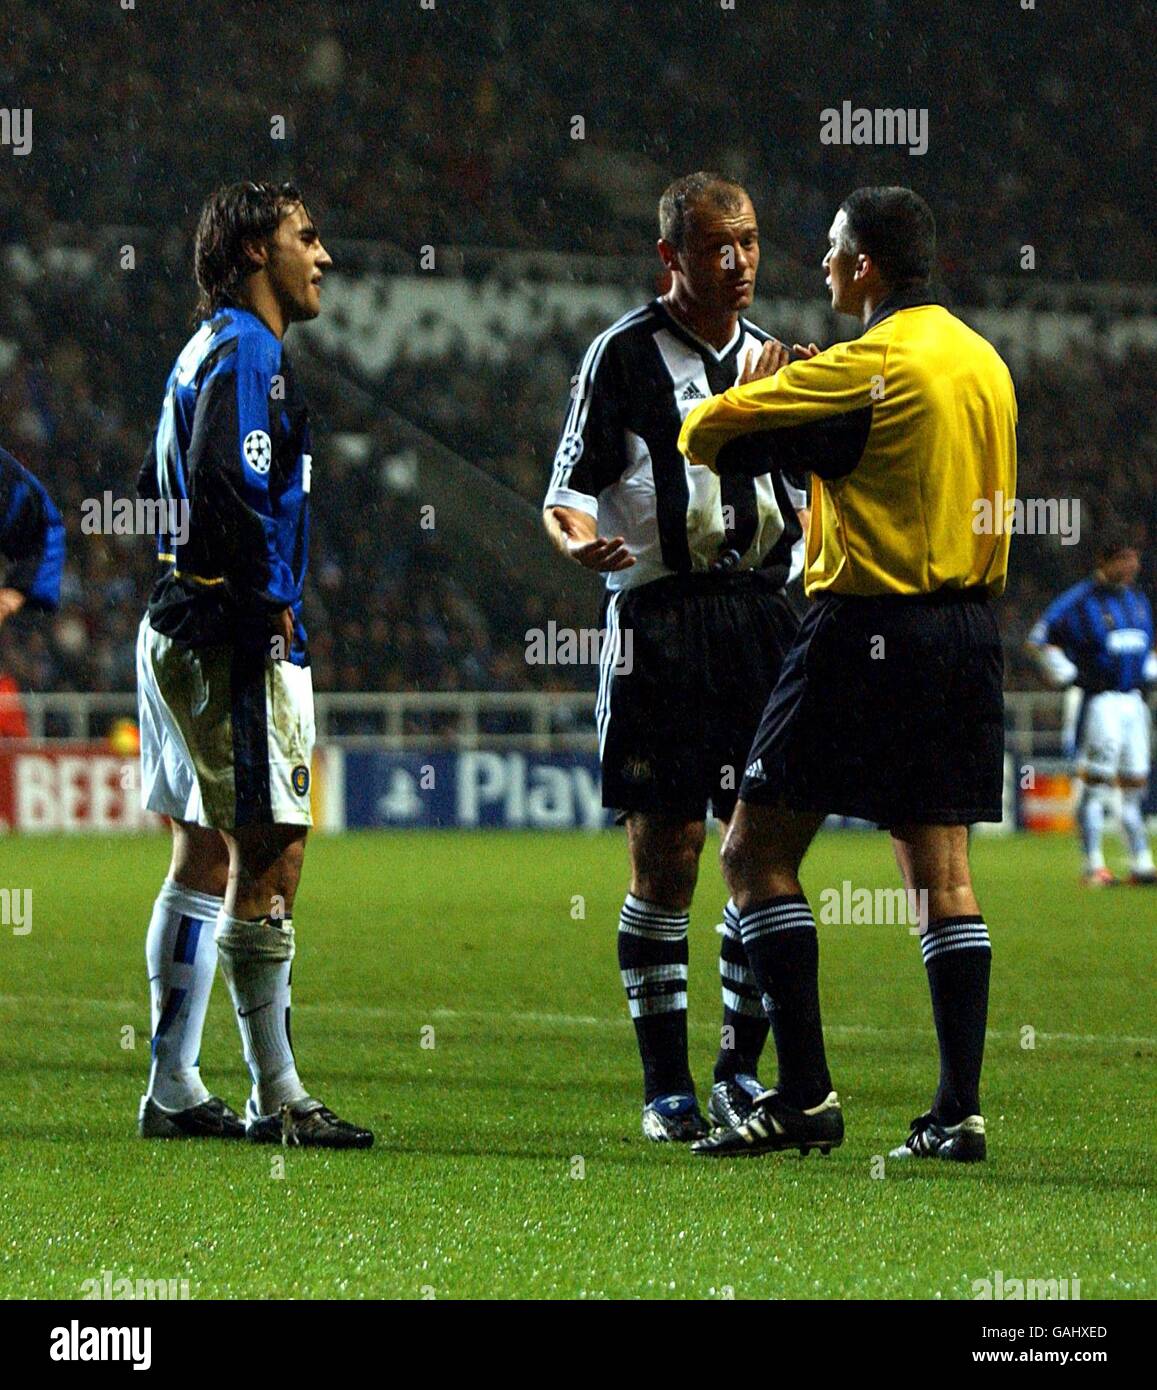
[{"x": 459, "y": 993}]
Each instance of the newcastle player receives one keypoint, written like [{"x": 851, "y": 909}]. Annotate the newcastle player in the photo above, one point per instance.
[{"x": 695, "y": 570}]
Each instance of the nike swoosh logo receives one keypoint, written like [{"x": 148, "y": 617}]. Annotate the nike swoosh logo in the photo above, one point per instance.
[{"x": 244, "y": 1013}]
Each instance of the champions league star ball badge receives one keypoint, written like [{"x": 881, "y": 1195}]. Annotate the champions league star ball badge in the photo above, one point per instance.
[
  {"x": 570, "y": 449},
  {"x": 258, "y": 451}
]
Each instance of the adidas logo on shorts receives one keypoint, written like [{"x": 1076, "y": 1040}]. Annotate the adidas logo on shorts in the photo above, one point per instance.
[{"x": 754, "y": 769}]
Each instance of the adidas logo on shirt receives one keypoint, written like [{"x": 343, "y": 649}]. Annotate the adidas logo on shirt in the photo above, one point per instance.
[{"x": 691, "y": 392}]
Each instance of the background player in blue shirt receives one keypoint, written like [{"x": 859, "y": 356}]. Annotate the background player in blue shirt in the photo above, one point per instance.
[
  {"x": 31, "y": 539},
  {"x": 1098, "y": 637}
]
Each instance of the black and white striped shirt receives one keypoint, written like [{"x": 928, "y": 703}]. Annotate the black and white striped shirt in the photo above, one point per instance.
[{"x": 619, "y": 460}]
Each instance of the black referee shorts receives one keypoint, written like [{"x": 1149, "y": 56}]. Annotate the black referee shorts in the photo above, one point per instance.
[
  {"x": 890, "y": 709},
  {"x": 705, "y": 651}
]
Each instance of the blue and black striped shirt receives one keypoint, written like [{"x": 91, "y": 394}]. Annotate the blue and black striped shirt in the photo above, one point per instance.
[
  {"x": 233, "y": 444},
  {"x": 31, "y": 536},
  {"x": 1104, "y": 630}
]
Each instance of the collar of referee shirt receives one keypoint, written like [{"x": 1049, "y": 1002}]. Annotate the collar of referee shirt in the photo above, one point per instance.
[{"x": 910, "y": 298}]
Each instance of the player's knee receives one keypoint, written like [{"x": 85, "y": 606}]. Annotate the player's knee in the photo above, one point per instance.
[
  {"x": 735, "y": 860},
  {"x": 666, "y": 867},
  {"x": 200, "y": 859},
  {"x": 1099, "y": 790},
  {"x": 268, "y": 863},
  {"x": 287, "y": 868},
  {"x": 670, "y": 881}
]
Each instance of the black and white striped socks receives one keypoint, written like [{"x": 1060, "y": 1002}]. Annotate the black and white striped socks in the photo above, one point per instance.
[
  {"x": 653, "y": 965},
  {"x": 745, "y": 1022}
]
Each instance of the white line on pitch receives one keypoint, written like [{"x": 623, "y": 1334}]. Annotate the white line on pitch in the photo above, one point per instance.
[{"x": 552, "y": 1020}]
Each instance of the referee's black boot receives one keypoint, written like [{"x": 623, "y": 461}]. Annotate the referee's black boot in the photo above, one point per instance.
[
  {"x": 774, "y": 1125},
  {"x": 930, "y": 1138}
]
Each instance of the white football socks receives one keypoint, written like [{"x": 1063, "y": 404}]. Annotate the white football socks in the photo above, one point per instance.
[
  {"x": 1133, "y": 828},
  {"x": 182, "y": 960},
  {"x": 256, "y": 960},
  {"x": 1091, "y": 819}
]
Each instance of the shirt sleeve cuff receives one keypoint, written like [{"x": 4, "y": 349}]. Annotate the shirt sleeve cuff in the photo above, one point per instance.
[{"x": 566, "y": 497}]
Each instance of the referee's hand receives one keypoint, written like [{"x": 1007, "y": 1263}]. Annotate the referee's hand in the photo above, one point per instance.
[
  {"x": 579, "y": 539},
  {"x": 774, "y": 356}
]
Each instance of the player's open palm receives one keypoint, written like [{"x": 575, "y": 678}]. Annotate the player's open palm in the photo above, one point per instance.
[{"x": 584, "y": 544}]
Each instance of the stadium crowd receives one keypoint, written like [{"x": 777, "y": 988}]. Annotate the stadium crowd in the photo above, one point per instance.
[
  {"x": 475, "y": 147},
  {"x": 394, "y": 607}
]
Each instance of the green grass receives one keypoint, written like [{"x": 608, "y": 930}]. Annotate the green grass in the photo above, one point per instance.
[{"x": 469, "y": 1190}]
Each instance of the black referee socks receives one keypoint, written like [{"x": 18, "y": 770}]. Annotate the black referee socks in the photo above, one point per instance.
[
  {"x": 779, "y": 936},
  {"x": 958, "y": 958}
]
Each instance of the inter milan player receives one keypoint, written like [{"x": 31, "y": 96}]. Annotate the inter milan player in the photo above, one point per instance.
[
  {"x": 224, "y": 688},
  {"x": 890, "y": 706},
  {"x": 31, "y": 539},
  {"x": 1098, "y": 637},
  {"x": 695, "y": 571}
]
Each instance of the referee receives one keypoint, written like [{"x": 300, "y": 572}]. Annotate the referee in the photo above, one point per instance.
[
  {"x": 695, "y": 568},
  {"x": 890, "y": 705}
]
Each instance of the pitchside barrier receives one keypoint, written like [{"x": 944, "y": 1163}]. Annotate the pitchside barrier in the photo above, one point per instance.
[{"x": 446, "y": 760}]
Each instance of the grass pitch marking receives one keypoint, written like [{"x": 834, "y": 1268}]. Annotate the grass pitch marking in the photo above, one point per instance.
[{"x": 551, "y": 1020}]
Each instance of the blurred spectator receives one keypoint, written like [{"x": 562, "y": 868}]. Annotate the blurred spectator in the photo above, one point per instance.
[
  {"x": 13, "y": 721},
  {"x": 136, "y": 116}
]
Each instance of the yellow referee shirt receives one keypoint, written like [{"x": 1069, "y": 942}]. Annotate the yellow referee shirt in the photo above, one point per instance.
[{"x": 910, "y": 434}]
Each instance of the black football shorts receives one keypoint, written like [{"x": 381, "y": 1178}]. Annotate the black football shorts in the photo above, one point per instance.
[
  {"x": 704, "y": 652},
  {"x": 890, "y": 709}
]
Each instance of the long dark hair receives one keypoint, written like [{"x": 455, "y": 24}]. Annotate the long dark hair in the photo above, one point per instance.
[{"x": 234, "y": 214}]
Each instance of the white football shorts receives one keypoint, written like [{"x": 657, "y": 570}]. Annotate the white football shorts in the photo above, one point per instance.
[
  {"x": 226, "y": 735},
  {"x": 1113, "y": 735}
]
